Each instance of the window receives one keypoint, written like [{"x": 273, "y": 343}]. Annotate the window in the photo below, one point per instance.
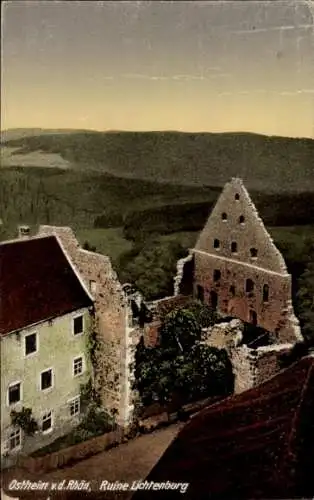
[
  {"x": 75, "y": 406},
  {"x": 200, "y": 293},
  {"x": 78, "y": 325},
  {"x": 241, "y": 219},
  {"x": 253, "y": 317},
  {"x": 253, "y": 252},
  {"x": 237, "y": 196},
  {"x": 249, "y": 286},
  {"x": 93, "y": 286},
  {"x": 216, "y": 243},
  {"x": 46, "y": 379},
  {"x": 224, "y": 216},
  {"x": 46, "y": 424},
  {"x": 232, "y": 290},
  {"x": 213, "y": 300},
  {"x": 234, "y": 247},
  {"x": 217, "y": 275},
  {"x": 30, "y": 343},
  {"x": 14, "y": 393},
  {"x": 15, "y": 439},
  {"x": 78, "y": 366},
  {"x": 265, "y": 293}
]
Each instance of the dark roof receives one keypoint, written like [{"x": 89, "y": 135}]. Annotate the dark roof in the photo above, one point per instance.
[
  {"x": 37, "y": 283},
  {"x": 258, "y": 444}
]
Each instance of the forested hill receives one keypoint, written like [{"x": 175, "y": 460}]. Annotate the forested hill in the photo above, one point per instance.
[{"x": 264, "y": 163}]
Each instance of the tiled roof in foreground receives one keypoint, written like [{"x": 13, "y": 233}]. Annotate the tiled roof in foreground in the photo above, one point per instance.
[{"x": 258, "y": 444}]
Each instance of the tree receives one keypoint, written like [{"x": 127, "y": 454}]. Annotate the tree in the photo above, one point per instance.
[
  {"x": 151, "y": 267},
  {"x": 203, "y": 313},
  {"x": 180, "y": 330},
  {"x": 181, "y": 368}
]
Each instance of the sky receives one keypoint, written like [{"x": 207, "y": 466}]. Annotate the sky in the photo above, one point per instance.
[{"x": 140, "y": 65}]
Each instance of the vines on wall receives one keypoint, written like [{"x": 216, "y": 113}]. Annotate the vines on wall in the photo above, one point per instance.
[{"x": 24, "y": 420}]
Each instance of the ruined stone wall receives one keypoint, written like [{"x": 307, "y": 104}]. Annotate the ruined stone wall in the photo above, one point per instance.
[
  {"x": 183, "y": 281},
  {"x": 164, "y": 306},
  {"x": 252, "y": 367},
  {"x": 112, "y": 377},
  {"x": 275, "y": 315},
  {"x": 224, "y": 335},
  {"x": 234, "y": 247}
]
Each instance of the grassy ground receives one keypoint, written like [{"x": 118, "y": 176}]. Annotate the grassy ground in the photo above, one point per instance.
[
  {"x": 107, "y": 241},
  {"x": 112, "y": 243}
]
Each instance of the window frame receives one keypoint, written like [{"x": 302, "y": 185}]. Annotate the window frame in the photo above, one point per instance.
[
  {"x": 252, "y": 288},
  {"x": 79, "y": 356},
  {"x": 93, "y": 286},
  {"x": 12, "y": 384},
  {"x": 253, "y": 253},
  {"x": 234, "y": 243},
  {"x": 37, "y": 344},
  {"x": 52, "y": 380},
  {"x": 14, "y": 430},
  {"x": 44, "y": 413},
  {"x": 79, "y": 315},
  {"x": 265, "y": 293},
  {"x": 71, "y": 402},
  {"x": 253, "y": 317},
  {"x": 217, "y": 272},
  {"x": 216, "y": 244}
]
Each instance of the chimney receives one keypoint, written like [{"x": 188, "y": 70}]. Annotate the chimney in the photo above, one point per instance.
[{"x": 24, "y": 232}]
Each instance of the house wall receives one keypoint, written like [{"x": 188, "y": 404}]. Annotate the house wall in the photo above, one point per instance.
[
  {"x": 57, "y": 347},
  {"x": 112, "y": 324}
]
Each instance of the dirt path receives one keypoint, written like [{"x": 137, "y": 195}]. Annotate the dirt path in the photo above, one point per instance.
[{"x": 128, "y": 462}]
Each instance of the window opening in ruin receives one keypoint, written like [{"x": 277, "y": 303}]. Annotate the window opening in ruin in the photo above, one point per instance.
[
  {"x": 253, "y": 317},
  {"x": 234, "y": 247},
  {"x": 249, "y": 286},
  {"x": 241, "y": 219},
  {"x": 224, "y": 216},
  {"x": 217, "y": 275},
  {"x": 213, "y": 300},
  {"x": 216, "y": 243},
  {"x": 232, "y": 290},
  {"x": 200, "y": 293},
  {"x": 253, "y": 252},
  {"x": 265, "y": 293},
  {"x": 237, "y": 196}
]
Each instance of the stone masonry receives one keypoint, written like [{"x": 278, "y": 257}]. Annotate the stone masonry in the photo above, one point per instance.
[{"x": 236, "y": 268}]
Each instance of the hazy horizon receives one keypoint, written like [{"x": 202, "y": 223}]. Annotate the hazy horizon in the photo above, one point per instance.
[
  {"x": 205, "y": 67},
  {"x": 70, "y": 129}
]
